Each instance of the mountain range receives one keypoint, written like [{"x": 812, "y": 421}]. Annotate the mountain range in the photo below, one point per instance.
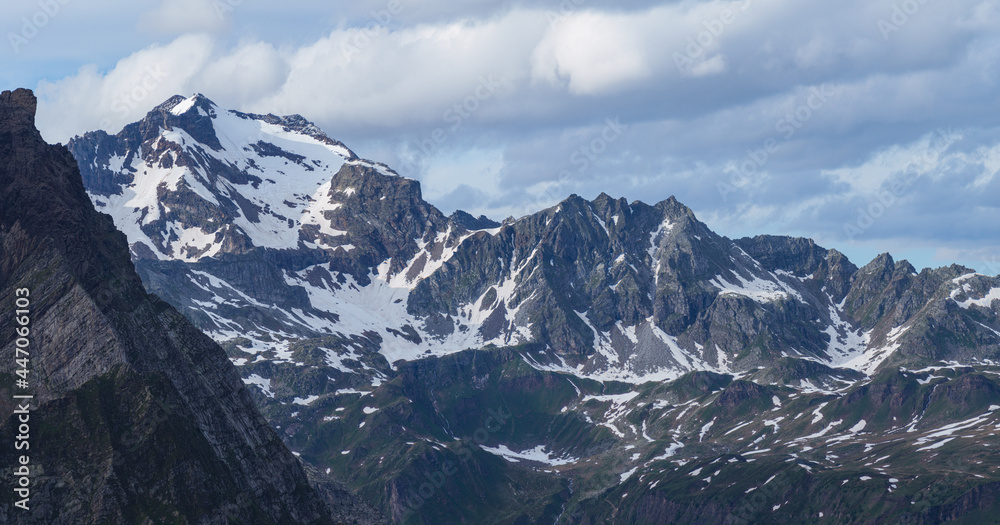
[{"x": 598, "y": 361}]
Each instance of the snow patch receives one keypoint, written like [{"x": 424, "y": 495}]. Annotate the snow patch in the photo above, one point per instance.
[
  {"x": 537, "y": 454},
  {"x": 261, "y": 383}
]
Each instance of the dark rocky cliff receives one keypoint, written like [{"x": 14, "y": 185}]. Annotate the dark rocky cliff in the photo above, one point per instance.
[{"x": 137, "y": 417}]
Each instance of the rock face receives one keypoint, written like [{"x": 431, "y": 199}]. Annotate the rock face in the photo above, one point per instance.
[
  {"x": 595, "y": 362},
  {"x": 137, "y": 417}
]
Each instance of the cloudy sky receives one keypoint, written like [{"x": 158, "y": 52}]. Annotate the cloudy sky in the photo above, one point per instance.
[{"x": 870, "y": 126}]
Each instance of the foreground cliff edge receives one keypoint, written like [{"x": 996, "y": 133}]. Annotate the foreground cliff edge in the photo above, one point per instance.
[{"x": 135, "y": 415}]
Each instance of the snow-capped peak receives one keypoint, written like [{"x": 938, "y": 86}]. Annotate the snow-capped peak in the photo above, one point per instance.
[
  {"x": 185, "y": 105},
  {"x": 202, "y": 180}
]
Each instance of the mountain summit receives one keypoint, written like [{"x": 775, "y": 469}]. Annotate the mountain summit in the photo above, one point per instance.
[{"x": 216, "y": 181}]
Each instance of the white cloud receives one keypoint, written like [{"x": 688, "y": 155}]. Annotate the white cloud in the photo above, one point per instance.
[
  {"x": 713, "y": 66},
  {"x": 391, "y": 78},
  {"x": 925, "y": 157},
  {"x": 593, "y": 52},
  {"x": 243, "y": 76},
  {"x": 91, "y": 99}
]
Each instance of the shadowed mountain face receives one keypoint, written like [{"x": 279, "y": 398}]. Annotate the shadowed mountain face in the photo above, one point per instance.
[
  {"x": 586, "y": 363},
  {"x": 137, "y": 417}
]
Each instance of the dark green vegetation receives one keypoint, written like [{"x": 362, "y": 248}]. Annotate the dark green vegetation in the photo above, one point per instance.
[{"x": 705, "y": 448}]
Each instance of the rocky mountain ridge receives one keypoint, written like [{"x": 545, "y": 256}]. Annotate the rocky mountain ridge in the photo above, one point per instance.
[{"x": 626, "y": 290}]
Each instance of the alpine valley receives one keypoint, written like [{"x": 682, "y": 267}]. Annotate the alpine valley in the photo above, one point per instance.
[{"x": 595, "y": 362}]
